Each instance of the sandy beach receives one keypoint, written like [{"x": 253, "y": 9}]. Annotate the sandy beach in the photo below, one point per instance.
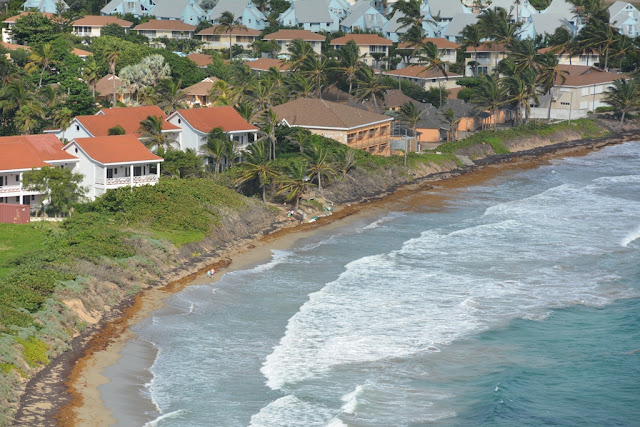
[{"x": 115, "y": 343}]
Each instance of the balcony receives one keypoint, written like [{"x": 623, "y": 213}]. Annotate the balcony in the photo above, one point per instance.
[
  {"x": 6, "y": 189},
  {"x": 137, "y": 180}
]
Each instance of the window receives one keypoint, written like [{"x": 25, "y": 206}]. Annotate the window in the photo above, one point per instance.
[
  {"x": 137, "y": 171},
  {"x": 109, "y": 173},
  {"x": 77, "y": 127},
  {"x": 33, "y": 197},
  {"x": 565, "y": 103},
  {"x": 127, "y": 171},
  {"x": 179, "y": 121},
  {"x": 76, "y": 150},
  {"x": 115, "y": 171},
  {"x": 153, "y": 168},
  {"x": 17, "y": 178}
]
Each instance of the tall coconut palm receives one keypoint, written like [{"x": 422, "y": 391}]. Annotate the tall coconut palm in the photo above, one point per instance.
[
  {"x": 623, "y": 96},
  {"x": 28, "y": 118},
  {"x": 411, "y": 11},
  {"x": 370, "y": 86},
  {"x": 215, "y": 146},
  {"x": 152, "y": 135},
  {"x": 222, "y": 93},
  {"x": 295, "y": 182},
  {"x": 432, "y": 59},
  {"x": 549, "y": 74},
  {"x": 257, "y": 166},
  {"x": 321, "y": 164},
  {"x": 349, "y": 62},
  {"x": 489, "y": 95},
  {"x": 42, "y": 58},
  {"x": 227, "y": 23},
  {"x": 298, "y": 85},
  {"x": 90, "y": 74},
  {"x": 452, "y": 121},
  {"x": 171, "y": 96},
  {"x": 16, "y": 95},
  {"x": 524, "y": 54},
  {"x": 316, "y": 69},
  {"x": 247, "y": 110},
  {"x": 300, "y": 138},
  {"x": 471, "y": 36},
  {"x": 521, "y": 89},
  {"x": 600, "y": 35},
  {"x": 112, "y": 56},
  {"x": 410, "y": 115},
  {"x": 62, "y": 119},
  {"x": 299, "y": 51},
  {"x": 267, "y": 125}
]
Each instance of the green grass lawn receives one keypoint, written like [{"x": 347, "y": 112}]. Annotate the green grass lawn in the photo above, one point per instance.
[{"x": 17, "y": 240}]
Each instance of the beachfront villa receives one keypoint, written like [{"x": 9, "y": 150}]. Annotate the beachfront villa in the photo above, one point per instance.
[
  {"x": 110, "y": 162},
  {"x": 426, "y": 78},
  {"x": 22, "y": 153},
  {"x": 284, "y": 37}
]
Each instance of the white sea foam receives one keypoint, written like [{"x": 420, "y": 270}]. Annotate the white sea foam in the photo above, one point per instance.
[
  {"x": 631, "y": 237},
  {"x": 173, "y": 414},
  {"x": 291, "y": 411},
  {"x": 351, "y": 400},
  {"x": 387, "y": 218}
]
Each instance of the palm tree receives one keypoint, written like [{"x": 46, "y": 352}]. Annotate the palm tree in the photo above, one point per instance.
[
  {"x": 90, "y": 74},
  {"x": 257, "y": 166},
  {"x": 433, "y": 61},
  {"x": 43, "y": 58},
  {"x": 28, "y": 118},
  {"x": 267, "y": 125},
  {"x": 471, "y": 36},
  {"x": 490, "y": 94},
  {"x": 549, "y": 74},
  {"x": 411, "y": 115},
  {"x": 222, "y": 93},
  {"x": 349, "y": 62},
  {"x": 623, "y": 96},
  {"x": 346, "y": 162},
  {"x": 112, "y": 56},
  {"x": 62, "y": 119},
  {"x": 299, "y": 51},
  {"x": 299, "y": 86},
  {"x": 316, "y": 68},
  {"x": 171, "y": 96},
  {"x": 497, "y": 24},
  {"x": 321, "y": 164},
  {"x": 295, "y": 182},
  {"x": 262, "y": 93},
  {"x": 246, "y": 110},
  {"x": 600, "y": 35},
  {"x": 16, "y": 95},
  {"x": 524, "y": 54},
  {"x": 370, "y": 85},
  {"x": 227, "y": 22},
  {"x": 151, "y": 131},
  {"x": 411, "y": 10},
  {"x": 301, "y": 137},
  {"x": 453, "y": 122},
  {"x": 521, "y": 89},
  {"x": 215, "y": 146}
]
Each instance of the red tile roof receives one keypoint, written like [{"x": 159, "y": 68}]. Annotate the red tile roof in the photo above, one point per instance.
[
  {"x": 362, "y": 40},
  {"x": 13, "y": 46},
  {"x": 99, "y": 125},
  {"x": 104, "y": 86},
  {"x": 264, "y": 64},
  {"x": 312, "y": 113},
  {"x": 439, "y": 42},
  {"x": 141, "y": 112},
  {"x": 201, "y": 88},
  {"x": 30, "y": 151},
  {"x": 201, "y": 59},
  {"x": 419, "y": 72},
  {"x": 81, "y": 53},
  {"x": 239, "y": 31},
  {"x": 295, "y": 34},
  {"x": 13, "y": 19},
  {"x": 100, "y": 21},
  {"x": 164, "y": 24},
  {"x": 581, "y": 75},
  {"x": 488, "y": 47},
  {"x": 116, "y": 149},
  {"x": 206, "y": 119}
]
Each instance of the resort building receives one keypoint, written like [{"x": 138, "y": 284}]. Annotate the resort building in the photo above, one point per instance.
[
  {"x": 198, "y": 122},
  {"x": 486, "y": 56},
  {"x": 371, "y": 47},
  {"x": 138, "y": 8},
  {"x": 215, "y": 38},
  {"x": 90, "y": 26},
  {"x": 363, "y": 16},
  {"x": 244, "y": 11},
  {"x": 577, "y": 91},
  {"x": 156, "y": 28},
  {"x": 20, "y": 154},
  {"x": 566, "y": 58},
  {"x": 427, "y": 78},
  {"x": 111, "y": 162},
  {"x": 357, "y": 128},
  {"x": 265, "y": 64},
  {"x": 625, "y": 17},
  {"x": 446, "y": 49},
  {"x": 187, "y": 11},
  {"x": 314, "y": 15},
  {"x": 106, "y": 86},
  {"x": 7, "y": 37},
  {"x": 45, "y": 6},
  {"x": 198, "y": 95},
  {"x": 284, "y": 37}
]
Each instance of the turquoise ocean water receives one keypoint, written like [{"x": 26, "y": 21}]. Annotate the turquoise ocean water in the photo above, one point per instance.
[{"x": 518, "y": 304}]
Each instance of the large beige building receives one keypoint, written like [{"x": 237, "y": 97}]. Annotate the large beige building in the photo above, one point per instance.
[
  {"x": 215, "y": 38},
  {"x": 284, "y": 37},
  {"x": 369, "y": 46},
  {"x": 158, "y": 28},
  {"x": 427, "y": 78},
  {"x": 359, "y": 129},
  {"x": 91, "y": 26}
]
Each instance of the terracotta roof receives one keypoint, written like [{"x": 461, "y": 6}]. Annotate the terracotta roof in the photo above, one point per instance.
[
  {"x": 239, "y": 31},
  {"x": 81, "y": 53},
  {"x": 116, "y": 149},
  {"x": 104, "y": 86},
  {"x": 100, "y": 21},
  {"x": 201, "y": 88},
  {"x": 580, "y": 75},
  {"x": 264, "y": 64},
  {"x": 99, "y": 125},
  {"x": 362, "y": 39},
  {"x": 439, "y": 42},
  {"x": 488, "y": 47},
  {"x": 419, "y": 72},
  {"x": 395, "y": 98},
  {"x": 30, "y": 151},
  {"x": 201, "y": 59},
  {"x": 141, "y": 112},
  {"x": 560, "y": 50},
  {"x": 312, "y": 113},
  {"x": 13, "y": 19},
  {"x": 206, "y": 119},
  {"x": 165, "y": 24},
  {"x": 295, "y": 34},
  {"x": 13, "y": 46}
]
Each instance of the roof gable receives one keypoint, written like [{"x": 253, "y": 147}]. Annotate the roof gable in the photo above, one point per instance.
[
  {"x": 206, "y": 119},
  {"x": 308, "y": 112},
  {"x": 295, "y": 34},
  {"x": 31, "y": 151},
  {"x": 115, "y": 149}
]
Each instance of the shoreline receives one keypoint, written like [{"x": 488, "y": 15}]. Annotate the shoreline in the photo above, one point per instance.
[{"x": 77, "y": 401}]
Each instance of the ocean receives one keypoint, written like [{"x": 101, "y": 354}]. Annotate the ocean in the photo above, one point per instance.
[{"x": 515, "y": 302}]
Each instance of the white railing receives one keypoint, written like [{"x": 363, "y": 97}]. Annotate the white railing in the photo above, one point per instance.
[
  {"x": 144, "y": 179},
  {"x": 9, "y": 189}
]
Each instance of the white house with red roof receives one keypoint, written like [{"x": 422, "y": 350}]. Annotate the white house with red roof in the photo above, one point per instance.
[
  {"x": 198, "y": 122},
  {"x": 22, "y": 153},
  {"x": 110, "y": 162},
  {"x": 91, "y": 26}
]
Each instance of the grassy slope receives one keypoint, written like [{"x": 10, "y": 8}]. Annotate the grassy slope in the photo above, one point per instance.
[{"x": 19, "y": 240}]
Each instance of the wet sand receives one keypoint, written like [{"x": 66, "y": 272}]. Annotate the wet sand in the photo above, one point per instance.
[{"x": 115, "y": 343}]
